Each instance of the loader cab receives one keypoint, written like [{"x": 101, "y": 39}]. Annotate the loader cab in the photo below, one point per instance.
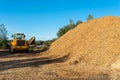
[{"x": 18, "y": 36}]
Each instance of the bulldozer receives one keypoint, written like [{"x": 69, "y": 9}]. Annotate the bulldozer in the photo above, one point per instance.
[{"x": 19, "y": 43}]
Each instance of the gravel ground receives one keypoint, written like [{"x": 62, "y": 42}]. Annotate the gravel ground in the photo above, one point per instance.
[{"x": 39, "y": 66}]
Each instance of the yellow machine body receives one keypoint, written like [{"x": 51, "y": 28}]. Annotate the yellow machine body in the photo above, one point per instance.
[{"x": 19, "y": 43}]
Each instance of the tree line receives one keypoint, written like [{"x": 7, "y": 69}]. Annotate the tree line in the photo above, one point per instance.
[
  {"x": 70, "y": 26},
  {"x": 64, "y": 29},
  {"x": 4, "y": 40},
  {"x": 3, "y": 37}
]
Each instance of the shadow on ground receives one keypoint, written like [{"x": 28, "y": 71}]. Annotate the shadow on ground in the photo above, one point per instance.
[
  {"x": 7, "y": 54},
  {"x": 6, "y": 65},
  {"x": 4, "y": 53}
]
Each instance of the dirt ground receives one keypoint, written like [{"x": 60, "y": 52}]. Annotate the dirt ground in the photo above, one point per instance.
[{"x": 39, "y": 66}]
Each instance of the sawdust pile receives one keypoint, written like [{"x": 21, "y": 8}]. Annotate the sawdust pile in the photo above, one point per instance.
[{"x": 95, "y": 42}]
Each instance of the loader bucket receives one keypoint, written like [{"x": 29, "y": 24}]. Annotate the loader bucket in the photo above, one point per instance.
[{"x": 32, "y": 40}]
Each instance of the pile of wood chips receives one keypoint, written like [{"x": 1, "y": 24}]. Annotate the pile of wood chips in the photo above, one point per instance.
[{"x": 95, "y": 42}]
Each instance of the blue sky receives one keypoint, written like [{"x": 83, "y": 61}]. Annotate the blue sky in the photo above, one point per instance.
[{"x": 43, "y": 18}]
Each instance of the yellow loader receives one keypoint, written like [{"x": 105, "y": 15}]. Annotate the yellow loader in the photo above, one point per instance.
[{"x": 19, "y": 43}]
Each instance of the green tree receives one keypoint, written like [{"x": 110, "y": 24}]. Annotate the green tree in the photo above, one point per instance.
[
  {"x": 3, "y": 31},
  {"x": 90, "y": 17},
  {"x": 64, "y": 29},
  {"x": 3, "y": 36},
  {"x": 78, "y": 22},
  {"x": 68, "y": 27}
]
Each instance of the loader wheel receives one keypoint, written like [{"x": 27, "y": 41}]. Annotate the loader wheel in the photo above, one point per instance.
[
  {"x": 27, "y": 51},
  {"x": 12, "y": 51}
]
